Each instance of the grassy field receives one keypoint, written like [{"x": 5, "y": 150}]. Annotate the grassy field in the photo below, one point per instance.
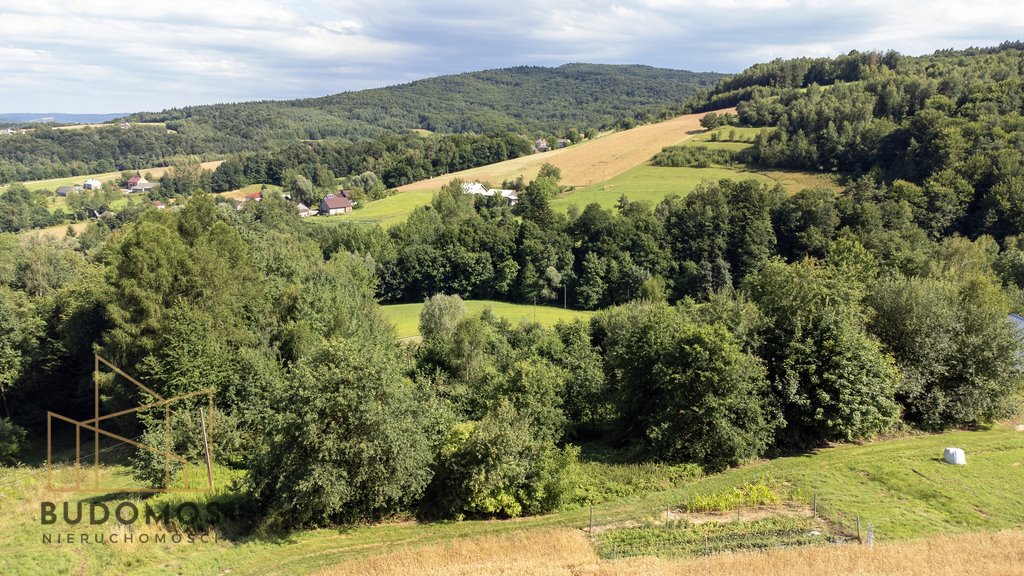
[
  {"x": 605, "y": 168},
  {"x": 649, "y": 183},
  {"x": 644, "y": 182},
  {"x": 241, "y": 193},
  {"x": 155, "y": 173},
  {"x": 900, "y": 486},
  {"x": 406, "y": 317},
  {"x": 585, "y": 163},
  {"x": 568, "y": 553}
]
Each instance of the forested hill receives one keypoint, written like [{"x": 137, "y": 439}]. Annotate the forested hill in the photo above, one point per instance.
[
  {"x": 520, "y": 99},
  {"x": 535, "y": 101},
  {"x": 944, "y": 133}
]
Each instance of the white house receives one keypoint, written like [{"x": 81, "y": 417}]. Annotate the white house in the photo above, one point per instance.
[
  {"x": 477, "y": 189},
  {"x": 92, "y": 184}
]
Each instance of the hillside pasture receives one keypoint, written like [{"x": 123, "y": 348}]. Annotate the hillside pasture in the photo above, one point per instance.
[
  {"x": 568, "y": 553},
  {"x": 900, "y": 486},
  {"x": 154, "y": 173},
  {"x": 586, "y": 163},
  {"x": 647, "y": 183},
  {"x": 406, "y": 317},
  {"x": 241, "y": 193}
]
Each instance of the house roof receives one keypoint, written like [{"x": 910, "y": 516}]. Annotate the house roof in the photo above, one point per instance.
[
  {"x": 475, "y": 188},
  {"x": 333, "y": 202},
  {"x": 158, "y": 203},
  {"x": 64, "y": 189},
  {"x": 1018, "y": 322},
  {"x": 254, "y": 196},
  {"x": 93, "y": 181},
  {"x": 134, "y": 180},
  {"x": 302, "y": 207}
]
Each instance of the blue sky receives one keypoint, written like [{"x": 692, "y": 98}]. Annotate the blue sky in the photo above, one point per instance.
[{"x": 122, "y": 56}]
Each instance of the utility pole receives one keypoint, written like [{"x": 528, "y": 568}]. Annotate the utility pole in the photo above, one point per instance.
[{"x": 206, "y": 448}]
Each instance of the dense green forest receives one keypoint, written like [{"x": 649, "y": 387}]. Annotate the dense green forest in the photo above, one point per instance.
[
  {"x": 736, "y": 322},
  {"x": 533, "y": 101}
]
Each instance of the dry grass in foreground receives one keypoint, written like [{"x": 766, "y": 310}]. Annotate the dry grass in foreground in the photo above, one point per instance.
[{"x": 567, "y": 552}]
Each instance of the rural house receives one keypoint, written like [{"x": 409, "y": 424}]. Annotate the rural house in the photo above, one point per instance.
[
  {"x": 92, "y": 184},
  {"x": 254, "y": 197},
  {"x": 477, "y": 189},
  {"x": 333, "y": 204},
  {"x": 541, "y": 145},
  {"x": 303, "y": 210},
  {"x": 139, "y": 184},
  {"x": 159, "y": 205},
  {"x": 64, "y": 190},
  {"x": 562, "y": 143}
]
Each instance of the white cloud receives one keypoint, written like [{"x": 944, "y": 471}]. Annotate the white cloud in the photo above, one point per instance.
[{"x": 146, "y": 54}]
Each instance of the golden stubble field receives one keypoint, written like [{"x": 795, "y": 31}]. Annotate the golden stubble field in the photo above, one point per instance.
[
  {"x": 566, "y": 552},
  {"x": 588, "y": 162}
]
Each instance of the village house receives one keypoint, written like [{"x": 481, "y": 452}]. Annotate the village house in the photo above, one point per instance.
[
  {"x": 562, "y": 143},
  {"x": 65, "y": 190},
  {"x": 303, "y": 210},
  {"x": 478, "y": 189},
  {"x": 139, "y": 184},
  {"x": 92, "y": 184},
  {"x": 333, "y": 204},
  {"x": 254, "y": 197},
  {"x": 541, "y": 145},
  {"x": 159, "y": 205}
]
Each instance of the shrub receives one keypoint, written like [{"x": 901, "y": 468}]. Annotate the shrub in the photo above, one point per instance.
[{"x": 11, "y": 438}]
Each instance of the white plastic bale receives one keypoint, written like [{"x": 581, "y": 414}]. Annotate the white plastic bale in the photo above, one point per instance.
[{"x": 955, "y": 456}]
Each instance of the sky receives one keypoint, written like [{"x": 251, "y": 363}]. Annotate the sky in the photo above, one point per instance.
[{"x": 99, "y": 56}]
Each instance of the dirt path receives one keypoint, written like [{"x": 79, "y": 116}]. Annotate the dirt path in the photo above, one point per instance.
[{"x": 585, "y": 163}]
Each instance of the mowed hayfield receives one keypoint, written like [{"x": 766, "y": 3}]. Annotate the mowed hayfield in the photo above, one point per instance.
[
  {"x": 406, "y": 317},
  {"x": 568, "y": 553},
  {"x": 585, "y": 163},
  {"x": 604, "y": 169},
  {"x": 900, "y": 486}
]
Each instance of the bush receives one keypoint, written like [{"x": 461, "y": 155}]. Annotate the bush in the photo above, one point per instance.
[
  {"x": 11, "y": 438},
  {"x": 497, "y": 467},
  {"x": 351, "y": 442},
  {"x": 757, "y": 493},
  {"x": 685, "y": 391},
  {"x": 693, "y": 157}
]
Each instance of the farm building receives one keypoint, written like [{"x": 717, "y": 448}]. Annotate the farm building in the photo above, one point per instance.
[
  {"x": 541, "y": 145},
  {"x": 477, "y": 189},
  {"x": 562, "y": 143},
  {"x": 303, "y": 210},
  {"x": 92, "y": 184},
  {"x": 159, "y": 205},
  {"x": 333, "y": 204},
  {"x": 65, "y": 190},
  {"x": 254, "y": 197},
  {"x": 139, "y": 184}
]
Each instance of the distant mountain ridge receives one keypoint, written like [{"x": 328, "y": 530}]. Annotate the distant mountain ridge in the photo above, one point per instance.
[
  {"x": 529, "y": 100},
  {"x": 523, "y": 99},
  {"x": 59, "y": 117}
]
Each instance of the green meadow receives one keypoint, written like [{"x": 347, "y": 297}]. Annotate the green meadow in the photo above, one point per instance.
[
  {"x": 406, "y": 317},
  {"x": 900, "y": 486}
]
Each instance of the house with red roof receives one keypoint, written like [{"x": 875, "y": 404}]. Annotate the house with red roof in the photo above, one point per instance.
[{"x": 333, "y": 204}]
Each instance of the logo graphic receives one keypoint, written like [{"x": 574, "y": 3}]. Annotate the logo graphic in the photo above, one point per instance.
[{"x": 94, "y": 425}]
